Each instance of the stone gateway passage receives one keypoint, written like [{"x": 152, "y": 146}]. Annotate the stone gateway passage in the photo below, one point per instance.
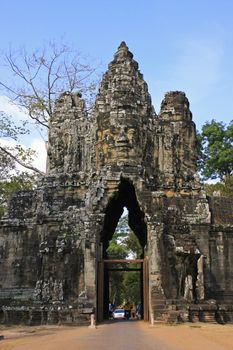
[{"x": 53, "y": 239}]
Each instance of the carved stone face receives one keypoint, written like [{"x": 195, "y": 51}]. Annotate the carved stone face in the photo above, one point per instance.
[{"x": 119, "y": 144}]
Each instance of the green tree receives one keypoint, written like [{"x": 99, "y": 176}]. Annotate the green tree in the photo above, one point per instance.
[
  {"x": 224, "y": 188},
  {"x": 124, "y": 285},
  {"x": 23, "y": 181},
  {"x": 10, "y": 154},
  {"x": 132, "y": 285},
  {"x": 133, "y": 245},
  {"x": 117, "y": 250},
  {"x": 11, "y": 178},
  {"x": 216, "y": 150},
  {"x": 124, "y": 243}
]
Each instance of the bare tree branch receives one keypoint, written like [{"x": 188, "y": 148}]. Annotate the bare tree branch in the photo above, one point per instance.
[
  {"x": 41, "y": 77},
  {"x": 16, "y": 159}
]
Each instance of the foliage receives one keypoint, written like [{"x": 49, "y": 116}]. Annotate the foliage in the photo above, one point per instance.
[
  {"x": 216, "y": 150},
  {"x": 124, "y": 243},
  {"x": 12, "y": 153},
  {"x": 11, "y": 178},
  {"x": 22, "y": 181},
  {"x": 9, "y": 129},
  {"x": 124, "y": 285},
  {"x": 116, "y": 288},
  {"x": 224, "y": 188},
  {"x": 133, "y": 245},
  {"x": 132, "y": 286},
  {"x": 116, "y": 250}
]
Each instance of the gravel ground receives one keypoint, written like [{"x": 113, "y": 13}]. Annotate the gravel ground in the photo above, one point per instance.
[{"x": 121, "y": 335}]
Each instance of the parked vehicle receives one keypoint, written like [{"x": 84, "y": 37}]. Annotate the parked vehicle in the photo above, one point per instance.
[{"x": 118, "y": 314}]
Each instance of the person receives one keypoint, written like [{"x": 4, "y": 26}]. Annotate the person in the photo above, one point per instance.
[
  {"x": 110, "y": 310},
  {"x": 139, "y": 311},
  {"x": 127, "y": 308},
  {"x": 133, "y": 312}
]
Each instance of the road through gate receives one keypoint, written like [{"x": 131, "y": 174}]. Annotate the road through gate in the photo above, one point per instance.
[{"x": 102, "y": 284}]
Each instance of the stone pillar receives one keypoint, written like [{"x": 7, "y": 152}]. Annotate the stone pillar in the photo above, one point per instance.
[
  {"x": 90, "y": 272},
  {"x": 156, "y": 292},
  {"x": 200, "y": 290}
]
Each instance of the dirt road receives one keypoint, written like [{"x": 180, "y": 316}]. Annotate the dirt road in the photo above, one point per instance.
[{"x": 121, "y": 335}]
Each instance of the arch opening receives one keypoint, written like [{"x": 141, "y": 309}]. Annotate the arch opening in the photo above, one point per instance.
[
  {"x": 127, "y": 270},
  {"x": 125, "y": 284},
  {"x": 125, "y": 197}
]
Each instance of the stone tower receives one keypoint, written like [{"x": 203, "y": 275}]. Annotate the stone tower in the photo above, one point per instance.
[{"x": 53, "y": 240}]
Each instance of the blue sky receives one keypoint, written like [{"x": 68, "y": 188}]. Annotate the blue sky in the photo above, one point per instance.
[{"x": 182, "y": 45}]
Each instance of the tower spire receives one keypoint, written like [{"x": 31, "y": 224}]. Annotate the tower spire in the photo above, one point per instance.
[{"x": 122, "y": 52}]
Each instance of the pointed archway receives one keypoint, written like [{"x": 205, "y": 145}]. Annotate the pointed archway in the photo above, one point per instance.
[{"x": 124, "y": 197}]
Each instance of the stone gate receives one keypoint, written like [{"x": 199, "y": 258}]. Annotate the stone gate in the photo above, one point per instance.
[{"x": 123, "y": 155}]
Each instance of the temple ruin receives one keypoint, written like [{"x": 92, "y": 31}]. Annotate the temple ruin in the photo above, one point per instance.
[{"x": 53, "y": 239}]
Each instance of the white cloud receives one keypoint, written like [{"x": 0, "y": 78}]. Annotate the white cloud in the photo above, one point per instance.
[
  {"x": 40, "y": 158},
  {"x": 11, "y": 144},
  {"x": 8, "y": 143},
  {"x": 28, "y": 140},
  {"x": 38, "y": 146},
  {"x": 12, "y": 109}
]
